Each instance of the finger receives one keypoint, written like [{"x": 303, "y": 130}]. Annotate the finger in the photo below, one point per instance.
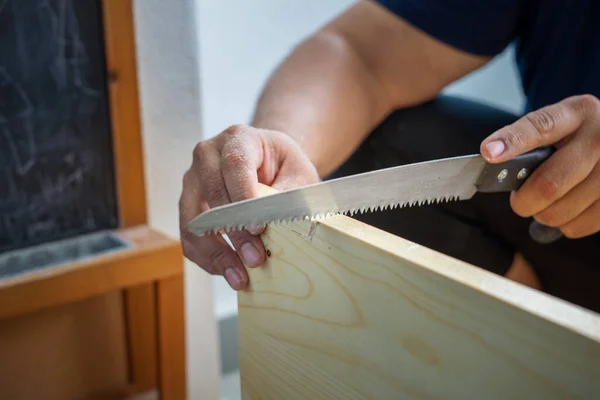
[
  {"x": 558, "y": 175},
  {"x": 573, "y": 203},
  {"x": 206, "y": 166},
  {"x": 542, "y": 127},
  {"x": 209, "y": 252},
  {"x": 250, "y": 247},
  {"x": 214, "y": 255},
  {"x": 586, "y": 224},
  {"x": 241, "y": 156}
]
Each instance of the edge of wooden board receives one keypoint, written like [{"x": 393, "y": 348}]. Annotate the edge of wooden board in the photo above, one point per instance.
[
  {"x": 535, "y": 302},
  {"x": 539, "y": 304}
]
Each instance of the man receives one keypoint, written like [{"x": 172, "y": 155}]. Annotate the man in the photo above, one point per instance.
[{"x": 363, "y": 93}]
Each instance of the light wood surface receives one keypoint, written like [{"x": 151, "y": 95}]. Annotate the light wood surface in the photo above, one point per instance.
[{"x": 345, "y": 311}]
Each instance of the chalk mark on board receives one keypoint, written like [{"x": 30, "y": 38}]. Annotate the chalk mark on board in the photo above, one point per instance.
[
  {"x": 14, "y": 95},
  {"x": 7, "y": 83}
]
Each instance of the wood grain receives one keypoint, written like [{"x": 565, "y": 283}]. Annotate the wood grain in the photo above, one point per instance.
[
  {"x": 120, "y": 51},
  {"x": 171, "y": 339},
  {"x": 142, "y": 337},
  {"x": 345, "y": 311}
]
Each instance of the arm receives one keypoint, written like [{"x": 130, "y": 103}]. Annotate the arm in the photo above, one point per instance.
[
  {"x": 336, "y": 86},
  {"x": 318, "y": 106}
]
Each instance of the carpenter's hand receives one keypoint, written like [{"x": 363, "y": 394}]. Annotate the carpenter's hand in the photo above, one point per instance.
[
  {"x": 564, "y": 191},
  {"x": 228, "y": 168}
]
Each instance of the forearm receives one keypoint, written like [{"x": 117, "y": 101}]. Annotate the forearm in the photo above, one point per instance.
[
  {"x": 337, "y": 86},
  {"x": 324, "y": 97}
]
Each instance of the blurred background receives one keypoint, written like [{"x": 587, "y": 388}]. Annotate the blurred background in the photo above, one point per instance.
[{"x": 202, "y": 64}]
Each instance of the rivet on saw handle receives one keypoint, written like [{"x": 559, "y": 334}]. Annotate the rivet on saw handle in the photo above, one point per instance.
[{"x": 511, "y": 175}]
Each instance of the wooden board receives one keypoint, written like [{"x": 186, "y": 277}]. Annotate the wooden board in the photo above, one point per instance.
[
  {"x": 154, "y": 256},
  {"x": 71, "y": 153},
  {"x": 76, "y": 351},
  {"x": 171, "y": 339},
  {"x": 140, "y": 303},
  {"x": 346, "y": 311}
]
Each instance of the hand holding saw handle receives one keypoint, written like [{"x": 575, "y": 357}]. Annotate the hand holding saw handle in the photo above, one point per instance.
[{"x": 510, "y": 176}]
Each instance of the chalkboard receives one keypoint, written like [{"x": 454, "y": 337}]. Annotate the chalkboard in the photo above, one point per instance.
[{"x": 56, "y": 161}]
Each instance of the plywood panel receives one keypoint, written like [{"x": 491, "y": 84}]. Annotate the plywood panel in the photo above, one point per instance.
[
  {"x": 70, "y": 352},
  {"x": 345, "y": 311}
]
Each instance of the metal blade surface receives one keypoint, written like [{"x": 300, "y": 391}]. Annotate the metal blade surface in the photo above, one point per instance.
[{"x": 415, "y": 184}]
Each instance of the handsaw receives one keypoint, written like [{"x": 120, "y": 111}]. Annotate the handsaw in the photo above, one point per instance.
[{"x": 443, "y": 180}]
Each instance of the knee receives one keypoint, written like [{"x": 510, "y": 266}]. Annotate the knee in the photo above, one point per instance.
[{"x": 522, "y": 272}]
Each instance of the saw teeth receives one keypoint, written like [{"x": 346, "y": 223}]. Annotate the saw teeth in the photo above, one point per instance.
[{"x": 349, "y": 212}]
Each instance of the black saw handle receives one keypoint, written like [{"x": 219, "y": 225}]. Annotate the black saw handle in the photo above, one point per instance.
[{"x": 511, "y": 175}]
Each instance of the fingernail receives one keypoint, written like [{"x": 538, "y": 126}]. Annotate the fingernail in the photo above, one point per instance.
[
  {"x": 250, "y": 254},
  {"x": 233, "y": 278},
  {"x": 495, "y": 148},
  {"x": 256, "y": 229}
]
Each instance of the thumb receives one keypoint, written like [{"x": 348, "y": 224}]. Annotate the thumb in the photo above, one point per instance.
[{"x": 543, "y": 127}]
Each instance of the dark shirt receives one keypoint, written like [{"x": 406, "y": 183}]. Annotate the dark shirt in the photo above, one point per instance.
[{"x": 557, "y": 41}]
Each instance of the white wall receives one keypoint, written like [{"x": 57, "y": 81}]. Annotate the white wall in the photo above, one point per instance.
[
  {"x": 170, "y": 107},
  {"x": 242, "y": 41}
]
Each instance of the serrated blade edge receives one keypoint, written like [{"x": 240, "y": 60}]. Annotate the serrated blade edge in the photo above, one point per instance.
[{"x": 409, "y": 185}]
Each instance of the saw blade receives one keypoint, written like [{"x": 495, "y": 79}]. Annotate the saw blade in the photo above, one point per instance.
[{"x": 422, "y": 183}]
